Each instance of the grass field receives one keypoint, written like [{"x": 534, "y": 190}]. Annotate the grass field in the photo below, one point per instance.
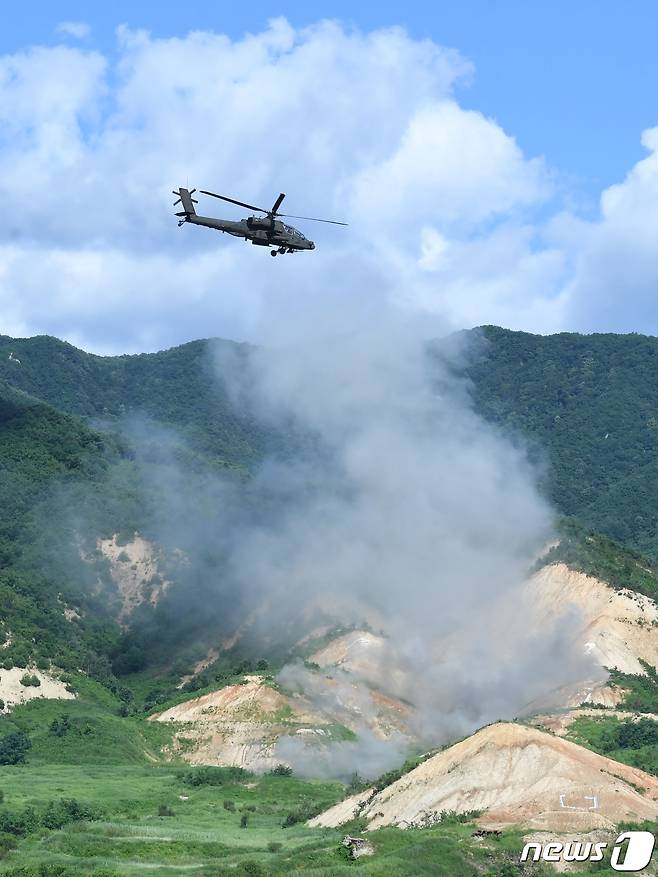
[{"x": 203, "y": 837}]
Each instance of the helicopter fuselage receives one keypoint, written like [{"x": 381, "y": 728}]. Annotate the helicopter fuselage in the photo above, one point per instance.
[{"x": 260, "y": 230}]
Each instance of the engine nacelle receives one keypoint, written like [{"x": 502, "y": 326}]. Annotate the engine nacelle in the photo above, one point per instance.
[{"x": 257, "y": 222}]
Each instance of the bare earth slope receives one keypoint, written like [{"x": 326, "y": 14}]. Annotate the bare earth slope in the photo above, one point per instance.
[
  {"x": 135, "y": 570},
  {"x": 618, "y": 626},
  {"x": 13, "y": 693},
  {"x": 235, "y": 726},
  {"x": 515, "y": 775},
  {"x": 361, "y": 676},
  {"x": 240, "y": 725}
]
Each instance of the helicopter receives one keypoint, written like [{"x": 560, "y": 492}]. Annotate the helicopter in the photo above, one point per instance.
[{"x": 263, "y": 231}]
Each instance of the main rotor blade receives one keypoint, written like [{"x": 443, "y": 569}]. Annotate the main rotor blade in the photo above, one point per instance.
[
  {"x": 277, "y": 203},
  {"x": 233, "y": 201},
  {"x": 312, "y": 219}
]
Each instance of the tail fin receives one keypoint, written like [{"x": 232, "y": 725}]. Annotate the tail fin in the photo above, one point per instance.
[{"x": 185, "y": 198}]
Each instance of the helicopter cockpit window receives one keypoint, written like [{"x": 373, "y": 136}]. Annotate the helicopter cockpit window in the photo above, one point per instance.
[{"x": 294, "y": 231}]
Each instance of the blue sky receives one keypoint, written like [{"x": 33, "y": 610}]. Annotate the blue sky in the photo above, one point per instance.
[
  {"x": 574, "y": 81},
  {"x": 496, "y": 163}
]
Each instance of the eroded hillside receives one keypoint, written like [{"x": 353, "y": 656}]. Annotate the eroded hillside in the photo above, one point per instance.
[{"x": 513, "y": 775}]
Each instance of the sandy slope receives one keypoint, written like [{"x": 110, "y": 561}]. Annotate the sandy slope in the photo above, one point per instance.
[
  {"x": 239, "y": 725},
  {"x": 12, "y": 692},
  {"x": 135, "y": 572},
  {"x": 517, "y": 775},
  {"x": 618, "y": 627},
  {"x": 358, "y": 651}
]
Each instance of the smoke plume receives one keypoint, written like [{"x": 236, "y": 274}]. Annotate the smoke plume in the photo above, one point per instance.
[{"x": 401, "y": 507}]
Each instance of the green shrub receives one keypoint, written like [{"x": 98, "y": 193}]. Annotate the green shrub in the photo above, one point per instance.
[
  {"x": 281, "y": 770},
  {"x": 19, "y": 824},
  {"x": 251, "y": 868},
  {"x": 60, "y": 727},
  {"x": 274, "y": 846},
  {"x": 215, "y": 776},
  {"x": 165, "y": 810},
  {"x": 306, "y": 810},
  {"x": 14, "y": 747},
  {"x": 229, "y": 805},
  {"x": 7, "y": 843},
  {"x": 66, "y": 810},
  {"x": 29, "y": 680},
  {"x": 19, "y": 655},
  {"x": 244, "y": 820}
]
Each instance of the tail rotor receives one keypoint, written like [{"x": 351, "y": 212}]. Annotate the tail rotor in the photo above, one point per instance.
[{"x": 185, "y": 198}]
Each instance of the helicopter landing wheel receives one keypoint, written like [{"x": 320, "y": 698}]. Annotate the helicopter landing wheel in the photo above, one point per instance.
[{"x": 273, "y": 252}]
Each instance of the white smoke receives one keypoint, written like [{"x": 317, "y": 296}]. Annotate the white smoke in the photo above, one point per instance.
[{"x": 405, "y": 509}]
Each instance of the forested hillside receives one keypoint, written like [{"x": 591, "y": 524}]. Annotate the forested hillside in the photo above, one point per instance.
[
  {"x": 588, "y": 407},
  {"x": 177, "y": 387},
  {"x": 44, "y": 452}
]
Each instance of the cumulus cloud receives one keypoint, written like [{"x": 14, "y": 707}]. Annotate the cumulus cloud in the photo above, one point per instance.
[
  {"x": 614, "y": 273},
  {"x": 447, "y": 215},
  {"x": 357, "y": 126}
]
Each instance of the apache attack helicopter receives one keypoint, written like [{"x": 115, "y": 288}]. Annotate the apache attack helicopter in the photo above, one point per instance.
[{"x": 264, "y": 231}]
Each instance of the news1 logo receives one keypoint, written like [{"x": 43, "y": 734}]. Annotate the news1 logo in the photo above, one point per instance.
[{"x": 632, "y": 851}]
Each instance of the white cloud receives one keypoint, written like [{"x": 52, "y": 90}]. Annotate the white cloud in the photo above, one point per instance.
[
  {"x": 442, "y": 203},
  {"x": 614, "y": 275},
  {"x": 454, "y": 166},
  {"x": 79, "y": 30}
]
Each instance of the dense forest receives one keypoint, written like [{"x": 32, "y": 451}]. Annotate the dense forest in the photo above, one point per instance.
[
  {"x": 586, "y": 406},
  {"x": 177, "y": 387}
]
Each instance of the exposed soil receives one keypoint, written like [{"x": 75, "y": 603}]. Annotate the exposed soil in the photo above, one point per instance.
[
  {"x": 238, "y": 725},
  {"x": 514, "y": 775},
  {"x": 135, "y": 571},
  {"x": 12, "y": 692},
  {"x": 241, "y": 724},
  {"x": 618, "y": 627}
]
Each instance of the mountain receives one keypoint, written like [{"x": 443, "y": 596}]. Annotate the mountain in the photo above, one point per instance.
[
  {"x": 584, "y": 406},
  {"x": 113, "y": 439},
  {"x": 43, "y": 450},
  {"x": 177, "y": 387},
  {"x": 587, "y": 408}
]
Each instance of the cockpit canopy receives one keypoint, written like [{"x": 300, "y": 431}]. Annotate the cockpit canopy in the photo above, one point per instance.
[{"x": 294, "y": 231}]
